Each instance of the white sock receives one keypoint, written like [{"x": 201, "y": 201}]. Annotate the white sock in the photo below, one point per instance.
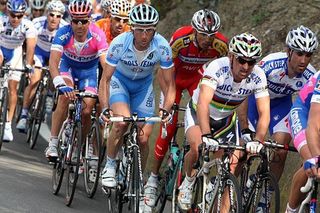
[
  {"x": 53, "y": 141},
  {"x": 291, "y": 210}
]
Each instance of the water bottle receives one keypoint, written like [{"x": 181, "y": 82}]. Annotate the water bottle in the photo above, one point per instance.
[
  {"x": 252, "y": 178},
  {"x": 174, "y": 155},
  {"x": 210, "y": 188}
]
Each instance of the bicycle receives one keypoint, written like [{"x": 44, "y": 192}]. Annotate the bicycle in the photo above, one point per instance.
[
  {"x": 4, "y": 97},
  {"x": 23, "y": 83},
  {"x": 264, "y": 186},
  {"x": 37, "y": 108},
  {"x": 69, "y": 148},
  {"x": 309, "y": 204},
  {"x": 130, "y": 182}
]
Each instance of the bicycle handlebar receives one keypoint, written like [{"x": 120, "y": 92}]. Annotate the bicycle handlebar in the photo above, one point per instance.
[
  {"x": 306, "y": 188},
  {"x": 274, "y": 144},
  {"x": 135, "y": 119}
]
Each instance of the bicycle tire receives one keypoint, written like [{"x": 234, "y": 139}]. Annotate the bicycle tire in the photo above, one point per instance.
[
  {"x": 3, "y": 107},
  {"x": 22, "y": 85},
  {"x": 95, "y": 138},
  {"x": 59, "y": 165},
  {"x": 73, "y": 165},
  {"x": 38, "y": 114},
  {"x": 231, "y": 184},
  {"x": 113, "y": 201},
  {"x": 268, "y": 181},
  {"x": 177, "y": 182}
]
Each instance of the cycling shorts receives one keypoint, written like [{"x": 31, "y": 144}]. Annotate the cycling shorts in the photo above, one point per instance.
[
  {"x": 14, "y": 58},
  {"x": 279, "y": 110},
  {"x": 138, "y": 94},
  {"x": 41, "y": 57},
  {"x": 225, "y": 129},
  {"x": 298, "y": 120},
  {"x": 87, "y": 77}
]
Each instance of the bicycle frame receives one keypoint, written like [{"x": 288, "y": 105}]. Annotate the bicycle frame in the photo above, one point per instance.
[{"x": 311, "y": 188}]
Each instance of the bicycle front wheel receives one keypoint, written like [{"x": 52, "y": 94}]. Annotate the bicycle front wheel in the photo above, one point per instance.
[
  {"x": 59, "y": 165},
  {"x": 3, "y": 114},
  {"x": 228, "y": 196},
  {"x": 134, "y": 190},
  {"x": 265, "y": 196},
  {"x": 91, "y": 161},
  {"x": 73, "y": 163}
]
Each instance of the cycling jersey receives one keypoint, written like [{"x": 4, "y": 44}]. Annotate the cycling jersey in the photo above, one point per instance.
[
  {"x": 298, "y": 116},
  {"x": 44, "y": 40},
  {"x": 104, "y": 24},
  {"x": 80, "y": 60},
  {"x": 121, "y": 54},
  {"x": 280, "y": 88},
  {"x": 96, "y": 17},
  {"x": 228, "y": 95},
  {"x": 188, "y": 59}
]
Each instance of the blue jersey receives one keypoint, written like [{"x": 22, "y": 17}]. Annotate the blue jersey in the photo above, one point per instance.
[{"x": 122, "y": 55}]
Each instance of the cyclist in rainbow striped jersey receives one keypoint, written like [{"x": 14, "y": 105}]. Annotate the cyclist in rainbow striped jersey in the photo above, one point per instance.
[{"x": 76, "y": 50}]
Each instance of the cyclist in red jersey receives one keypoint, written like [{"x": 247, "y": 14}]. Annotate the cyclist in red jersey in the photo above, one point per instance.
[{"x": 192, "y": 46}]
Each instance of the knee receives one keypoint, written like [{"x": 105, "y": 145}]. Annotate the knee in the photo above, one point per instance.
[{"x": 119, "y": 128}]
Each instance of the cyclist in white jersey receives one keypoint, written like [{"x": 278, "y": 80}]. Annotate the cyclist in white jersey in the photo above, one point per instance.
[
  {"x": 226, "y": 83},
  {"x": 131, "y": 61},
  {"x": 47, "y": 27},
  {"x": 17, "y": 30},
  {"x": 287, "y": 72}
]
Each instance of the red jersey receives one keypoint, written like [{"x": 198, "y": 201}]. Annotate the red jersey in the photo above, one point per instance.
[{"x": 188, "y": 58}]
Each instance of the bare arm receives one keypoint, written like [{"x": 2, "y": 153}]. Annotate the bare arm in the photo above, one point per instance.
[
  {"x": 168, "y": 87},
  {"x": 203, "y": 114},
  {"x": 31, "y": 44},
  {"x": 104, "y": 90},
  {"x": 242, "y": 112},
  {"x": 54, "y": 61},
  {"x": 313, "y": 129},
  {"x": 263, "y": 107}
]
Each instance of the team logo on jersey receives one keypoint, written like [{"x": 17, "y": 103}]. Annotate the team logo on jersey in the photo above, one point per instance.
[
  {"x": 186, "y": 40},
  {"x": 261, "y": 63},
  {"x": 317, "y": 87},
  {"x": 282, "y": 75},
  {"x": 150, "y": 56},
  {"x": 299, "y": 84}
]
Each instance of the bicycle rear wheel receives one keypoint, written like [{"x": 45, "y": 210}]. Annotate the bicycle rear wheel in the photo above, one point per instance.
[
  {"x": 92, "y": 164},
  {"x": 228, "y": 197},
  {"x": 3, "y": 114},
  {"x": 73, "y": 164},
  {"x": 265, "y": 196}
]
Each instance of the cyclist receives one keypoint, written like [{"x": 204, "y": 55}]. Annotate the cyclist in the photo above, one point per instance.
[
  {"x": 37, "y": 8},
  {"x": 304, "y": 127},
  {"x": 17, "y": 30},
  {"x": 192, "y": 46},
  {"x": 118, "y": 22},
  {"x": 47, "y": 27},
  {"x": 3, "y": 7},
  {"x": 131, "y": 60},
  {"x": 104, "y": 7},
  {"x": 226, "y": 82},
  {"x": 77, "y": 48},
  {"x": 286, "y": 73}
]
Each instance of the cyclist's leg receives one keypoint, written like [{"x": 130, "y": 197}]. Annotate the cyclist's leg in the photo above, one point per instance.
[{"x": 297, "y": 124}]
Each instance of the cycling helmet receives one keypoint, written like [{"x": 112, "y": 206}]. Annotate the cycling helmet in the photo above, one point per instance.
[
  {"x": 38, "y": 4},
  {"x": 56, "y": 6},
  {"x": 105, "y": 4},
  {"x": 144, "y": 14},
  {"x": 80, "y": 8},
  {"x": 245, "y": 45},
  {"x": 17, "y": 6},
  {"x": 302, "y": 39},
  {"x": 206, "y": 21},
  {"x": 120, "y": 8}
]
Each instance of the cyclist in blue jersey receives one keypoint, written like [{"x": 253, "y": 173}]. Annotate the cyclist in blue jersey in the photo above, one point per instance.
[
  {"x": 126, "y": 85},
  {"x": 75, "y": 52},
  {"x": 47, "y": 27},
  {"x": 286, "y": 72},
  {"x": 16, "y": 31}
]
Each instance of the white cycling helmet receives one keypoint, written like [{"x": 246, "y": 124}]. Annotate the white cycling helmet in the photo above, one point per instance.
[
  {"x": 302, "y": 39},
  {"x": 38, "y": 4},
  {"x": 144, "y": 14},
  {"x": 245, "y": 45},
  {"x": 206, "y": 21},
  {"x": 80, "y": 8},
  {"x": 56, "y": 6},
  {"x": 120, "y": 8},
  {"x": 105, "y": 4}
]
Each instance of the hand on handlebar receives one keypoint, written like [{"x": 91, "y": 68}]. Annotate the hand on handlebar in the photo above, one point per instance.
[
  {"x": 311, "y": 167},
  {"x": 254, "y": 147},
  {"x": 247, "y": 135},
  {"x": 164, "y": 115},
  {"x": 105, "y": 115},
  {"x": 211, "y": 143}
]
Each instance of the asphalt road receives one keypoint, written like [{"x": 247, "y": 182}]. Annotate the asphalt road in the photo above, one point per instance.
[{"x": 25, "y": 181}]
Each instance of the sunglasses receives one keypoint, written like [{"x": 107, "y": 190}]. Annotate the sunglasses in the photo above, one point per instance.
[
  {"x": 307, "y": 54},
  {"x": 203, "y": 34},
  {"x": 3, "y": 3},
  {"x": 54, "y": 15},
  {"x": 37, "y": 10},
  {"x": 80, "y": 21},
  {"x": 117, "y": 19},
  {"x": 16, "y": 16},
  {"x": 244, "y": 61},
  {"x": 144, "y": 30}
]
